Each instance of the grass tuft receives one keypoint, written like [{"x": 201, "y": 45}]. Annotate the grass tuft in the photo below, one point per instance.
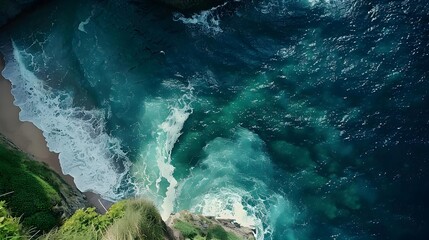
[
  {"x": 141, "y": 220},
  {"x": 10, "y": 227},
  {"x": 187, "y": 229}
]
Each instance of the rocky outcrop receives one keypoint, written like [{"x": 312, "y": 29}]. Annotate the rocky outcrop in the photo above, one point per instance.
[
  {"x": 191, "y": 4},
  {"x": 185, "y": 225},
  {"x": 71, "y": 199}
]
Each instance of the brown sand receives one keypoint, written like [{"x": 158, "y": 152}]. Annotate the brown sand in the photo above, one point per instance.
[{"x": 27, "y": 137}]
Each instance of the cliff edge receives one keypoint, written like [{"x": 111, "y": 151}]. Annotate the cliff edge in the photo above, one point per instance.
[{"x": 185, "y": 225}]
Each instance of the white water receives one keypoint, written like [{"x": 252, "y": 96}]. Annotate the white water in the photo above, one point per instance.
[
  {"x": 165, "y": 118},
  {"x": 86, "y": 151},
  {"x": 228, "y": 184},
  {"x": 170, "y": 131},
  {"x": 82, "y": 24},
  {"x": 229, "y": 203},
  {"x": 207, "y": 20}
]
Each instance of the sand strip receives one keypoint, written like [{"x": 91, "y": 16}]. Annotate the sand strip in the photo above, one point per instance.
[{"x": 27, "y": 137}]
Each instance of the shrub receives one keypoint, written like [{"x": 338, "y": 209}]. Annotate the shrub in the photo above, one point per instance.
[
  {"x": 83, "y": 220},
  {"x": 83, "y": 224},
  {"x": 141, "y": 220},
  {"x": 126, "y": 228},
  {"x": 90, "y": 234},
  {"x": 129, "y": 219},
  {"x": 116, "y": 211},
  {"x": 89, "y": 220},
  {"x": 44, "y": 221},
  {"x": 9, "y": 226}
]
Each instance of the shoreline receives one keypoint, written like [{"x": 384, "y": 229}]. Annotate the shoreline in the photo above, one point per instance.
[{"x": 27, "y": 137}]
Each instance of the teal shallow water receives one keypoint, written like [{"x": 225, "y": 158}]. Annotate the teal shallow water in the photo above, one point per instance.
[{"x": 304, "y": 119}]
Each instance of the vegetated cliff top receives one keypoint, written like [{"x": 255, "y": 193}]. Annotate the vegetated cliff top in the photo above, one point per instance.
[
  {"x": 34, "y": 192},
  {"x": 185, "y": 225},
  {"x": 139, "y": 219}
]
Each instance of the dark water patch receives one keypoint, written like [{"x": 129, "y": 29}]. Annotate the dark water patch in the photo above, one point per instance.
[{"x": 331, "y": 96}]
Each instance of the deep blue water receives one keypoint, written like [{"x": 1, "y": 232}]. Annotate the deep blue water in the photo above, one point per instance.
[{"x": 307, "y": 119}]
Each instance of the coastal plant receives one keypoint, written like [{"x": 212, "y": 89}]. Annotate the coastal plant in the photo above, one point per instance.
[
  {"x": 217, "y": 232},
  {"x": 141, "y": 220},
  {"x": 128, "y": 219},
  {"x": 187, "y": 229},
  {"x": 44, "y": 220},
  {"x": 115, "y": 211},
  {"x": 56, "y": 234},
  {"x": 10, "y": 228},
  {"x": 126, "y": 228},
  {"x": 88, "y": 219},
  {"x": 85, "y": 220},
  {"x": 32, "y": 197},
  {"x": 212, "y": 232},
  {"x": 83, "y": 224}
]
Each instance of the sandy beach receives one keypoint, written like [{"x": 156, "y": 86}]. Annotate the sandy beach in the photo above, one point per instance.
[{"x": 27, "y": 137}]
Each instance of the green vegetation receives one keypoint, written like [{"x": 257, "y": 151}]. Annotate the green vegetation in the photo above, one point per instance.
[
  {"x": 213, "y": 232},
  {"x": 58, "y": 234},
  {"x": 141, "y": 221},
  {"x": 10, "y": 228},
  {"x": 187, "y": 229},
  {"x": 217, "y": 232},
  {"x": 128, "y": 219},
  {"x": 86, "y": 224},
  {"x": 34, "y": 192}
]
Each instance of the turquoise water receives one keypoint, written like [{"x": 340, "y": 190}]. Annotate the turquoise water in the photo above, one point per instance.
[{"x": 303, "y": 119}]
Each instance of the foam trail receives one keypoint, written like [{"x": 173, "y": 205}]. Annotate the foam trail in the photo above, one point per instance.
[
  {"x": 82, "y": 24},
  {"x": 153, "y": 172},
  {"x": 229, "y": 203},
  {"x": 86, "y": 151},
  {"x": 170, "y": 131},
  {"x": 260, "y": 213},
  {"x": 206, "y": 20}
]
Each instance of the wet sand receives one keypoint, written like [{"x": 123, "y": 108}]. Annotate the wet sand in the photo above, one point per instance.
[{"x": 30, "y": 139}]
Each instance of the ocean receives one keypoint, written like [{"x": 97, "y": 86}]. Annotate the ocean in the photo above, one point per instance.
[{"x": 303, "y": 119}]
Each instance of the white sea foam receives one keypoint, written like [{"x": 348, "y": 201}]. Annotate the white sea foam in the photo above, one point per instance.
[
  {"x": 207, "y": 20},
  {"x": 335, "y": 8},
  {"x": 228, "y": 184},
  {"x": 283, "y": 7},
  {"x": 86, "y": 151},
  {"x": 170, "y": 131},
  {"x": 82, "y": 24},
  {"x": 155, "y": 167},
  {"x": 260, "y": 214},
  {"x": 229, "y": 203}
]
